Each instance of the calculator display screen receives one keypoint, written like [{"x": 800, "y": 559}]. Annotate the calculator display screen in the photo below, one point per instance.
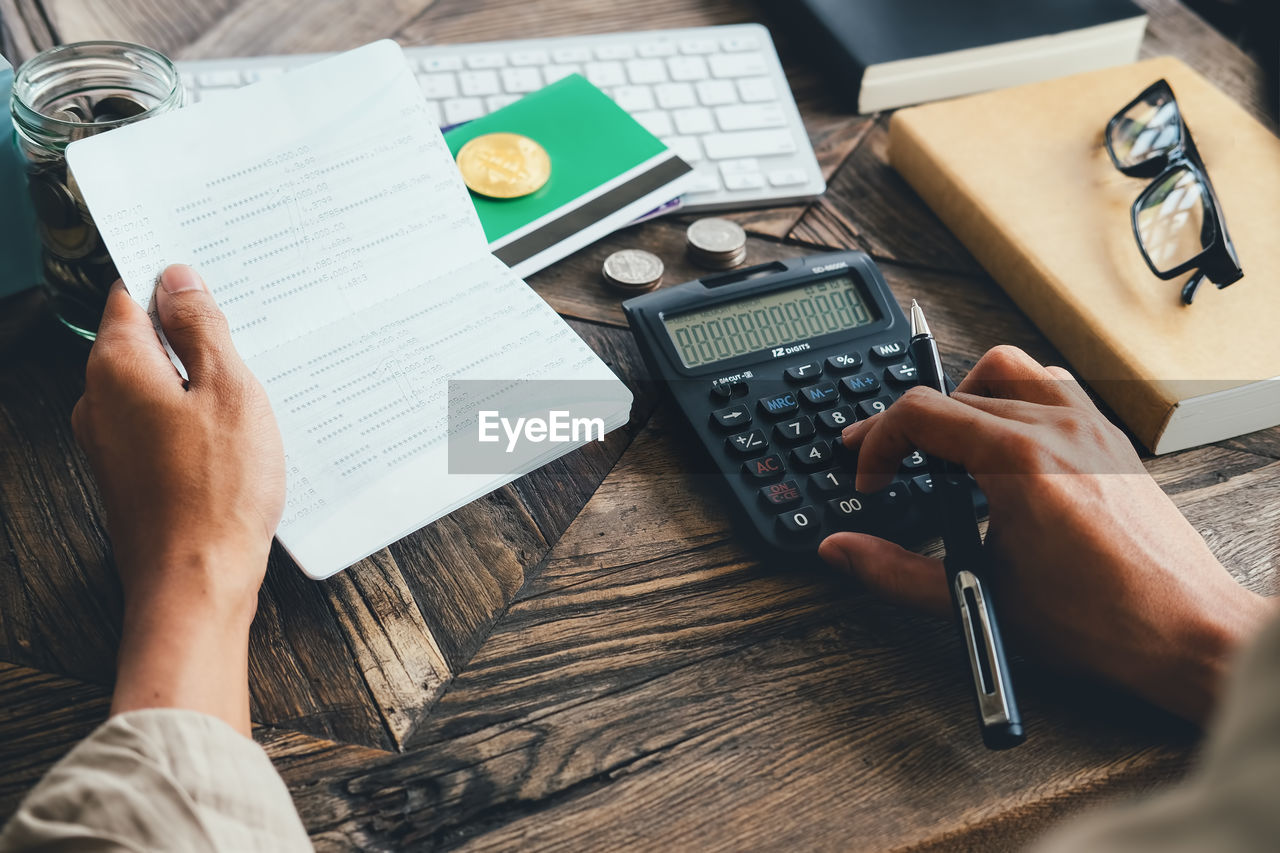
[{"x": 773, "y": 320}]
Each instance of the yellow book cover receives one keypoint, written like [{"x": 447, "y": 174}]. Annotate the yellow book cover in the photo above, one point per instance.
[{"x": 1022, "y": 177}]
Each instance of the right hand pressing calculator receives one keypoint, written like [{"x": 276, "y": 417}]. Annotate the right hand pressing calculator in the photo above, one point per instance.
[{"x": 769, "y": 364}]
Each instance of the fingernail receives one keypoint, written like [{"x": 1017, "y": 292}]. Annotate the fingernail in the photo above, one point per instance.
[
  {"x": 177, "y": 278},
  {"x": 834, "y": 556}
]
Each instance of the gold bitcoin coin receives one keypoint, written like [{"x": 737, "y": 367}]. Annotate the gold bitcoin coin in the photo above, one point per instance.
[{"x": 504, "y": 165}]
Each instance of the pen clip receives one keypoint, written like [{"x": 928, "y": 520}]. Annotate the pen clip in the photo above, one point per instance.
[{"x": 993, "y": 702}]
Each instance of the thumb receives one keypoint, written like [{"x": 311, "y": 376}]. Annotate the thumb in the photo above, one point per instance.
[
  {"x": 193, "y": 323},
  {"x": 889, "y": 570}
]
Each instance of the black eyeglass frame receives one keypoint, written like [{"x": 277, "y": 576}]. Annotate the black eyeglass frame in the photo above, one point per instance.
[{"x": 1217, "y": 262}]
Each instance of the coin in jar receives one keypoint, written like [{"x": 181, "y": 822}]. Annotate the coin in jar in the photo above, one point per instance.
[
  {"x": 116, "y": 107},
  {"x": 504, "y": 165},
  {"x": 633, "y": 270}
]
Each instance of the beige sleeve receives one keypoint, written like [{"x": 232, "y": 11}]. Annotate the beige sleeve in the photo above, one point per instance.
[
  {"x": 159, "y": 779},
  {"x": 1231, "y": 801}
]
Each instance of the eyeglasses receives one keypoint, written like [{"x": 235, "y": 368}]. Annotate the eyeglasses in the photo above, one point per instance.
[{"x": 1177, "y": 220}]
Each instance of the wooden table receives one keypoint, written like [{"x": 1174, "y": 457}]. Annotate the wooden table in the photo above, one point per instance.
[{"x": 589, "y": 657}]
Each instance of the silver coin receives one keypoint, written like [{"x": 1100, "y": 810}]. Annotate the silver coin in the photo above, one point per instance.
[
  {"x": 633, "y": 268},
  {"x": 717, "y": 236}
]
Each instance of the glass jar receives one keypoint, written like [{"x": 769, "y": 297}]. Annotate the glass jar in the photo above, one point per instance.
[{"x": 61, "y": 95}]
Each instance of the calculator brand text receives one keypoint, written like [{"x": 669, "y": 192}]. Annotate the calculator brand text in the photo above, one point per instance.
[{"x": 779, "y": 352}]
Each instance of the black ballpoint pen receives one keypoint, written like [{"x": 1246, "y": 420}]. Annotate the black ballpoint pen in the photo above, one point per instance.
[{"x": 965, "y": 562}]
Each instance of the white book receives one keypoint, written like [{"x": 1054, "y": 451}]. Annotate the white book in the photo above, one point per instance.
[{"x": 330, "y": 221}]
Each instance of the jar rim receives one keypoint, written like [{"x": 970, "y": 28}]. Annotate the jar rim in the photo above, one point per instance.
[{"x": 28, "y": 115}]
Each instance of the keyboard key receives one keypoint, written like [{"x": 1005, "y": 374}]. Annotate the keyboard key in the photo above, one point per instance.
[
  {"x": 219, "y": 77},
  {"x": 715, "y": 92},
  {"x": 604, "y": 74},
  {"x": 733, "y": 44},
  {"x": 615, "y": 51},
  {"x": 497, "y": 102},
  {"x": 462, "y": 109},
  {"x": 687, "y": 68},
  {"x": 754, "y": 90},
  {"x": 438, "y": 85},
  {"x": 749, "y": 143},
  {"x": 747, "y": 443},
  {"x": 891, "y": 351},
  {"x": 915, "y": 461},
  {"x": 571, "y": 54},
  {"x": 803, "y": 372},
  {"x": 781, "y": 495},
  {"x": 256, "y": 75},
  {"x": 867, "y": 408},
  {"x": 851, "y": 511},
  {"x": 672, "y": 96},
  {"x": 861, "y": 385},
  {"x": 694, "y": 120},
  {"x": 922, "y": 485},
  {"x": 765, "y": 468},
  {"x": 750, "y": 117},
  {"x": 647, "y": 71},
  {"x": 705, "y": 179},
  {"x": 833, "y": 482},
  {"x": 434, "y": 113},
  {"x": 698, "y": 46},
  {"x": 823, "y": 394},
  {"x": 743, "y": 182},
  {"x": 787, "y": 177},
  {"x": 837, "y": 419},
  {"x": 901, "y": 374},
  {"x": 474, "y": 83},
  {"x": 800, "y": 522},
  {"x": 530, "y": 57},
  {"x": 816, "y": 455},
  {"x": 732, "y": 417},
  {"x": 486, "y": 60},
  {"x": 440, "y": 63},
  {"x": 726, "y": 389},
  {"x": 779, "y": 405},
  {"x": 634, "y": 98},
  {"x": 655, "y": 121},
  {"x": 552, "y": 73},
  {"x": 656, "y": 48},
  {"x": 687, "y": 148},
  {"x": 521, "y": 79},
  {"x": 794, "y": 431},
  {"x": 738, "y": 65},
  {"x": 894, "y": 496},
  {"x": 844, "y": 362}
]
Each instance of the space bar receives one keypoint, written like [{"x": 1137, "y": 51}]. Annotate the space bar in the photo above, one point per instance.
[{"x": 750, "y": 143}]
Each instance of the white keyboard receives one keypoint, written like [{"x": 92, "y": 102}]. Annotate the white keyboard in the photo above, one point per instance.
[{"x": 717, "y": 96}]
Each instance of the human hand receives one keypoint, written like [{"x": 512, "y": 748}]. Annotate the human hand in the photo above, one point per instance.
[
  {"x": 192, "y": 478},
  {"x": 1093, "y": 567}
]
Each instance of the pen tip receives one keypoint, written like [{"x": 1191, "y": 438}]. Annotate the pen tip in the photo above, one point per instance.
[{"x": 919, "y": 326}]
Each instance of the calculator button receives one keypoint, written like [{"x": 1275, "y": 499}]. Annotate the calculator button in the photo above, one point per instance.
[
  {"x": 724, "y": 390},
  {"x": 914, "y": 462},
  {"x": 852, "y": 510},
  {"x": 833, "y": 482},
  {"x": 794, "y": 431},
  {"x": 779, "y": 405},
  {"x": 892, "y": 351},
  {"x": 862, "y": 385},
  {"x": 732, "y": 417},
  {"x": 845, "y": 362},
  {"x": 748, "y": 443},
  {"x": 900, "y": 374},
  {"x": 896, "y": 495},
  {"x": 867, "y": 408},
  {"x": 922, "y": 485},
  {"x": 781, "y": 495},
  {"x": 765, "y": 468},
  {"x": 800, "y": 522},
  {"x": 816, "y": 455},
  {"x": 803, "y": 372},
  {"x": 835, "y": 420},
  {"x": 822, "y": 394}
]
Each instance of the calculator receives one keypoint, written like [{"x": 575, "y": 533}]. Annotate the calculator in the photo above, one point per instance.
[{"x": 769, "y": 364}]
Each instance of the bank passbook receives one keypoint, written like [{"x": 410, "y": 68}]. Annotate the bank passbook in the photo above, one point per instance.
[
  {"x": 342, "y": 245},
  {"x": 768, "y": 365}
]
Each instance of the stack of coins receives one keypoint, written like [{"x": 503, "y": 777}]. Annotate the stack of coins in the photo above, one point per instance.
[
  {"x": 632, "y": 271},
  {"x": 717, "y": 244}
]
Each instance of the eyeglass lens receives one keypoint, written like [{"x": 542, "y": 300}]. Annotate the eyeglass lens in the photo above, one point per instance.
[
  {"x": 1150, "y": 128},
  {"x": 1175, "y": 222}
]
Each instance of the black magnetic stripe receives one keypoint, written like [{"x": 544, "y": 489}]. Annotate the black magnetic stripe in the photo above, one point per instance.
[{"x": 592, "y": 212}]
